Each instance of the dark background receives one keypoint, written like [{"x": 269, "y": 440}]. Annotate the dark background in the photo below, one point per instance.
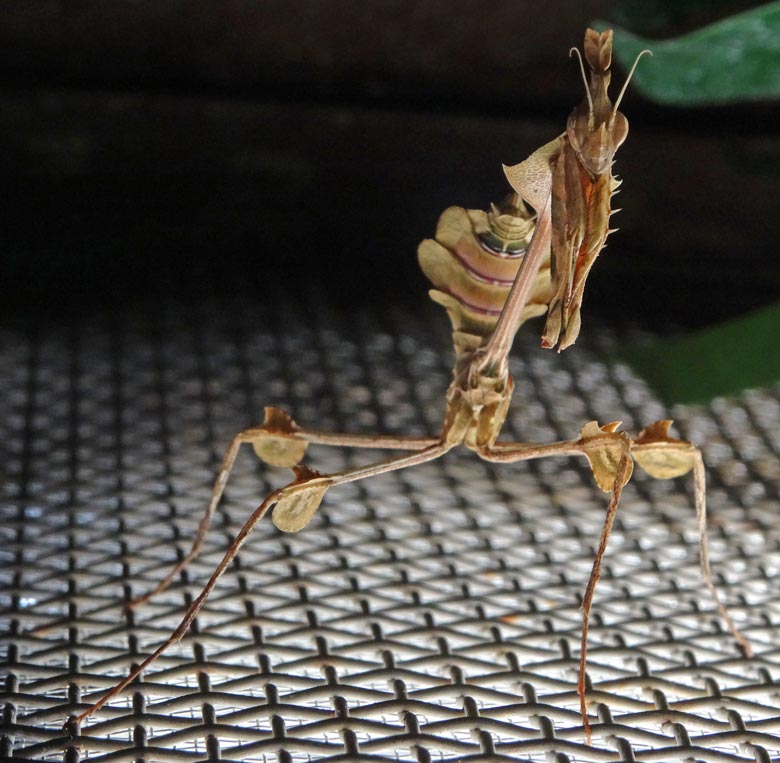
[{"x": 157, "y": 150}]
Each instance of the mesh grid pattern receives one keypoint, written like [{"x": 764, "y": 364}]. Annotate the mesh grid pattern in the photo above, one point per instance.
[{"x": 427, "y": 614}]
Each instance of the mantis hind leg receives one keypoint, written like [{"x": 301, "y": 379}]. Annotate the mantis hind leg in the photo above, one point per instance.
[
  {"x": 704, "y": 553},
  {"x": 279, "y": 442},
  {"x": 664, "y": 457}
]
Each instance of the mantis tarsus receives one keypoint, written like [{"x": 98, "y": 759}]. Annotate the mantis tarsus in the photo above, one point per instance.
[{"x": 492, "y": 271}]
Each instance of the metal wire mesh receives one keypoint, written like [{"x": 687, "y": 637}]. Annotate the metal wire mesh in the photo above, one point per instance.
[{"x": 427, "y": 614}]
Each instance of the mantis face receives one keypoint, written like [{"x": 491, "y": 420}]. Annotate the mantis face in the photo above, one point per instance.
[{"x": 596, "y": 129}]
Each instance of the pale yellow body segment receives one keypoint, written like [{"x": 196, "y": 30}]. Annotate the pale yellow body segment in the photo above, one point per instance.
[{"x": 472, "y": 280}]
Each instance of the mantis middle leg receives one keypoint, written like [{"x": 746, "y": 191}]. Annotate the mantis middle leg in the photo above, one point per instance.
[{"x": 279, "y": 442}]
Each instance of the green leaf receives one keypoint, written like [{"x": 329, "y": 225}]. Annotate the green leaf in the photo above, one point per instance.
[
  {"x": 652, "y": 16},
  {"x": 733, "y": 60},
  {"x": 720, "y": 360}
]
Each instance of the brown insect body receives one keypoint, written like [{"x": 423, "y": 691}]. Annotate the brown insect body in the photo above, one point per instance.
[
  {"x": 570, "y": 179},
  {"x": 492, "y": 272},
  {"x": 581, "y": 184}
]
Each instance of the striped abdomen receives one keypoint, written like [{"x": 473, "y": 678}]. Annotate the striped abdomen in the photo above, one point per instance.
[{"x": 472, "y": 264}]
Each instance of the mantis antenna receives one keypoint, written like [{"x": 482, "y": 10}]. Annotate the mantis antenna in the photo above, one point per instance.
[
  {"x": 585, "y": 80},
  {"x": 628, "y": 79}
]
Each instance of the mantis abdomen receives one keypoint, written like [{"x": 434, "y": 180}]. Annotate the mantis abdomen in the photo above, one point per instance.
[{"x": 472, "y": 264}]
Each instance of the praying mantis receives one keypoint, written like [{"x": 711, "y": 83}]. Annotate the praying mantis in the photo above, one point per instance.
[{"x": 492, "y": 271}]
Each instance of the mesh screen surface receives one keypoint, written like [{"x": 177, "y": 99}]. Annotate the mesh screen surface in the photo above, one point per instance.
[{"x": 427, "y": 614}]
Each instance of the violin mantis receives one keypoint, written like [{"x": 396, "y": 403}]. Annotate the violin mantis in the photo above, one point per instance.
[{"x": 491, "y": 271}]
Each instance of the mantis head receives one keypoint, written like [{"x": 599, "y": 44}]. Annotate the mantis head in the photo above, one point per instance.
[{"x": 596, "y": 128}]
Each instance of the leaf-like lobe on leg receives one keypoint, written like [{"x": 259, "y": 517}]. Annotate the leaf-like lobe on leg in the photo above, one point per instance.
[
  {"x": 660, "y": 455},
  {"x": 277, "y": 443},
  {"x": 604, "y": 449},
  {"x": 298, "y": 502},
  {"x": 531, "y": 178}
]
